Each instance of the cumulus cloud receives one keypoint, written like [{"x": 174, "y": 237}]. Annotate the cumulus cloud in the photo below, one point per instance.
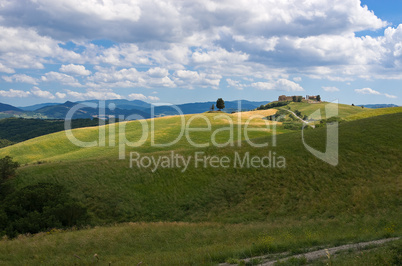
[
  {"x": 94, "y": 94},
  {"x": 75, "y": 70},
  {"x": 129, "y": 21},
  {"x": 62, "y": 78},
  {"x": 21, "y": 78},
  {"x": 190, "y": 79},
  {"x": 5, "y": 69},
  {"x": 60, "y": 95},
  {"x": 374, "y": 92},
  {"x": 330, "y": 89},
  {"x": 137, "y": 96},
  {"x": 14, "y": 93},
  {"x": 25, "y": 48},
  {"x": 367, "y": 91},
  {"x": 390, "y": 96},
  {"x": 194, "y": 44},
  {"x": 153, "y": 98},
  {"x": 235, "y": 84},
  {"x": 42, "y": 94},
  {"x": 280, "y": 85},
  {"x": 142, "y": 97}
]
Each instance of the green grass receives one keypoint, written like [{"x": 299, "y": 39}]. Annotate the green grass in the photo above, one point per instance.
[
  {"x": 223, "y": 212},
  {"x": 343, "y": 109},
  {"x": 374, "y": 112},
  {"x": 175, "y": 243},
  {"x": 387, "y": 254},
  {"x": 57, "y": 147},
  {"x": 364, "y": 182}
]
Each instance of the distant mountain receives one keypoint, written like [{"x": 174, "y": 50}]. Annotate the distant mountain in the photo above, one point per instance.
[
  {"x": 194, "y": 108},
  {"x": 37, "y": 106},
  {"x": 376, "y": 106},
  {"x": 88, "y": 109},
  {"x": 6, "y": 108},
  {"x": 123, "y": 104}
]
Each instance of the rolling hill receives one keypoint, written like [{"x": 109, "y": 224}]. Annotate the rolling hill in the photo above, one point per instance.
[
  {"x": 207, "y": 215},
  {"x": 121, "y": 107},
  {"x": 6, "y": 108}
]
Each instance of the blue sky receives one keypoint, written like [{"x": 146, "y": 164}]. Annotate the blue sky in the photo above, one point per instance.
[{"x": 199, "y": 50}]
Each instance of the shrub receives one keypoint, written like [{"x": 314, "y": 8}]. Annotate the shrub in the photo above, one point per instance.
[
  {"x": 40, "y": 207},
  {"x": 7, "y": 168}
]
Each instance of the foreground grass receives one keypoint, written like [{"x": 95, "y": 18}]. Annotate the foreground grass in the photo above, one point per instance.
[
  {"x": 387, "y": 254},
  {"x": 181, "y": 243},
  {"x": 225, "y": 212}
]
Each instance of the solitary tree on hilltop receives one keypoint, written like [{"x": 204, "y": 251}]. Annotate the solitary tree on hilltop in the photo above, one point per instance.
[
  {"x": 220, "y": 104},
  {"x": 213, "y": 107}
]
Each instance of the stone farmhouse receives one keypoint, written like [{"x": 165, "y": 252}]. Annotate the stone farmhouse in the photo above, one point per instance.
[{"x": 308, "y": 98}]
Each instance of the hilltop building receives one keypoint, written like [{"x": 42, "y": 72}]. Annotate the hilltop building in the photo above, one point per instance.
[
  {"x": 284, "y": 98},
  {"x": 308, "y": 98}
]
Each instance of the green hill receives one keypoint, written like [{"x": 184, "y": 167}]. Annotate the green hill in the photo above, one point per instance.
[
  {"x": 56, "y": 146},
  {"x": 223, "y": 212},
  {"x": 343, "y": 109}
]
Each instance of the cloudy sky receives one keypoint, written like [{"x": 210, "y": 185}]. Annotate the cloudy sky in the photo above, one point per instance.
[{"x": 199, "y": 50}]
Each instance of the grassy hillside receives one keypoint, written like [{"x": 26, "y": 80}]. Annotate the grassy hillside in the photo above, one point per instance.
[
  {"x": 20, "y": 129},
  {"x": 374, "y": 112},
  {"x": 344, "y": 110},
  {"x": 365, "y": 181},
  {"x": 179, "y": 243},
  {"x": 227, "y": 212},
  {"x": 56, "y": 147}
]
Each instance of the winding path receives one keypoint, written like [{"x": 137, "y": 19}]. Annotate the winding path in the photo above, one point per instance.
[{"x": 313, "y": 255}]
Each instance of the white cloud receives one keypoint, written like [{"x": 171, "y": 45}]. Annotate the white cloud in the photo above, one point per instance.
[
  {"x": 157, "y": 72},
  {"x": 21, "y": 78},
  {"x": 75, "y": 70},
  {"x": 374, "y": 92},
  {"x": 105, "y": 10},
  {"x": 60, "y": 95},
  {"x": 280, "y": 85},
  {"x": 14, "y": 93},
  {"x": 137, "y": 96},
  {"x": 330, "y": 89},
  {"x": 191, "y": 79},
  {"x": 367, "y": 91},
  {"x": 142, "y": 97},
  {"x": 25, "y": 48},
  {"x": 5, "y": 69},
  {"x": 194, "y": 21},
  {"x": 62, "y": 78},
  {"x": 153, "y": 98},
  {"x": 194, "y": 44},
  {"x": 219, "y": 56},
  {"x": 235, "y": 83},
  {"x": 390, "y": 96},
  {"x": 94, "y": 94},
  {"x": 42, "y": 94}
]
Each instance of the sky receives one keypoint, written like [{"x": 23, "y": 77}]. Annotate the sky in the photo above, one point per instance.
[{"x": 200, "y": 50}]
